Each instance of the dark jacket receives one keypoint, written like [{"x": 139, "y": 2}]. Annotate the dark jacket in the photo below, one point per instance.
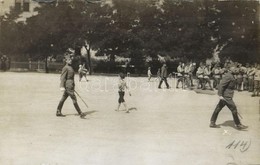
[
  {"x": 227, "y": 85},
  {"x": 164, "y": 71},
  {"x": 67, "y": 77}
]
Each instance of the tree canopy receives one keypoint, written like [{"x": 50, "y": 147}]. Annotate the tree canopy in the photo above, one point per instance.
[{"x": 136, "y": 29}]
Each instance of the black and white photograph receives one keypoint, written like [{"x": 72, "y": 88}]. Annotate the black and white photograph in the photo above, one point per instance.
[{"x": 130, "y": 82}]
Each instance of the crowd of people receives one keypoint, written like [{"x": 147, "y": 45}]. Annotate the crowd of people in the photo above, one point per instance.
[{"x": 208, "y": 76}]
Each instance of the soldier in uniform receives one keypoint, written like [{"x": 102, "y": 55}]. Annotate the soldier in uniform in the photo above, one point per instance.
[
  {"x": 164, "y": 75},
  {"x": 251, "y": 74},
  {"x": 180, "y": 74},
  {"x": 256, "y": 82},
  {"x": 192, "y": 68},
  {"x": 239, "y": 78},
  {"x": 245, "y": 76},
  {"x": 67, "y": 86},
  {"x": 207, "y": 73},
  {"x": 216, "y": 75},
  {"x": 226, "y": 92},
  {"x": 200, "y": 75},
  {"x": 187, "y": 76}
]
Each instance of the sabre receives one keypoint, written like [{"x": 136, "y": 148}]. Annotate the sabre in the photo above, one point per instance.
[{"x": 81, "y": 98}]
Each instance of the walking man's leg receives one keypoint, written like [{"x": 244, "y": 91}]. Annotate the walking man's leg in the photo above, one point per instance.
[
  {"x": 59, "y": 108},
  {"x": 162, "y": 79},
  {"x": 231, "y": 105},
  {"x": 166, "y": 83},
  {"x": 75, "y": 103},
  {"x": 214, "y": 116}
]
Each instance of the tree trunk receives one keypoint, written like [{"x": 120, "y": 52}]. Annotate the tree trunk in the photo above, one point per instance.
[{"x": 89, "y": 61}]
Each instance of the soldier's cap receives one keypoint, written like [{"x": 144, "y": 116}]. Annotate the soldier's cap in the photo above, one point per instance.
[{"x": 68, "y": 56}]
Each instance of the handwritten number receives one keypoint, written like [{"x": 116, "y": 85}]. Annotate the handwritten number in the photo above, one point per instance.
[{"x": 242, "y": 145}]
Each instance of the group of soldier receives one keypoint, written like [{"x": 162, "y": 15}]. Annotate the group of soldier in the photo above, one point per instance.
[
  {"x": 246, "y": 77},
  {"x": 226, "y": 79}
]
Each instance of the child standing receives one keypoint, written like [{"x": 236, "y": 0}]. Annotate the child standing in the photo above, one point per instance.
[
  {"x": 82, "y": 72},
  {"x": 121, "y": 91}
]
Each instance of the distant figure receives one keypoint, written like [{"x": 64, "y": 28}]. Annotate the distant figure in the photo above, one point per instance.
[
  {"x": 192, "y": 68},
  {"x": 149, "y": 73},
  {"x": 226, "y": 93},
  {"x": 200, "y": 75},
  {"x": 127, "y": 68},
  {"x": 245, "y": 77},
  {"x": 158, "y": 74},
  {"x": 251, "y": 74},
  {"x": 216, "y": 75},
  {"x": 4, "y": 60},
  {"x": 256, "y": 82},
  {"x": 187, "y": 80},
  {"x": 164, "y": 75},
  {"x": 67, "y": 86},
  {"x": 180, "y": 74},
  {"x": 122, "y": 86},
  {"x": 206, "y": 78},
  {"x": 239, "y": 74},
  {"x": 82, "y": 72}
]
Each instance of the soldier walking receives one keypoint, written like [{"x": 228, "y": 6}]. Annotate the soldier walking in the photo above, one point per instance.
[
  {"x": 164, "y": 75},
  {"x": 67, "y": 86},
  {"x": 226, "y": 92}
]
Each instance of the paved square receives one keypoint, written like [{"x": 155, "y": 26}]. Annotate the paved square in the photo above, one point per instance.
[{"x": 164, "y": 127}]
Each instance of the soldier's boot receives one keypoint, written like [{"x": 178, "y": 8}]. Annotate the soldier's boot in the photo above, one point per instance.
[
  {"x": 241, "y": 126},
  {"x": 82, "y": 115},
  {"x": 58, "y": 113},
  {"x": 212, "y": 124}
]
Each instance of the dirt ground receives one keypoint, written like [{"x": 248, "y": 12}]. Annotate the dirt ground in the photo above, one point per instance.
[{"x": 164, "y": 126}]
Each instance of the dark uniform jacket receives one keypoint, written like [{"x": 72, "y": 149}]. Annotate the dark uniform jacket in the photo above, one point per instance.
[
  {"x": 227, "y": 86},
  {"x": 164, "y": 71},
  {"x": 67, "y": 78}
]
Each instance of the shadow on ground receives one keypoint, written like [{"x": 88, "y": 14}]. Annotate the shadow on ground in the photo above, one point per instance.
[
  {"x": 230, "y": 123},
  {"x": 208, "y": 92},
  {"x": 132, "y": 108},
  {"x": 85, "y": 113}
]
